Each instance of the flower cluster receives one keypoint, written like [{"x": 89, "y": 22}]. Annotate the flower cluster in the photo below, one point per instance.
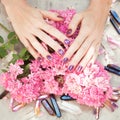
[{"x": 91, "y": 87}]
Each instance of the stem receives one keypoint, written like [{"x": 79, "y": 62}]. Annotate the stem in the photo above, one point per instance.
[{"x": 2, "y": 26}]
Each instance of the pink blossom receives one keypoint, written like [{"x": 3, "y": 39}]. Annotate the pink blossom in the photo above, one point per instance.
[
  {"x": 72, "y": 84},
  {"x": 91, "y": 87},
  {"x": 92, "y": 96}
]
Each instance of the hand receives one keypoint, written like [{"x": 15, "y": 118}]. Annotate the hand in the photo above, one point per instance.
[
  {"x": 29, "y": 24},
  {"x": 85, "y": 47}
]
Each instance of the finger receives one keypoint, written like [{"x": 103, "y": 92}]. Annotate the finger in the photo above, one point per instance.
[
  {"x": 56, "y": 33},
  {"x": 49, "y": 41},
  {"x": 74, "y": 47},
  {"x": 94, "y": 57},
  {"x": 74, "y": 24},
  {"x": 80, "y": 53},
  {"x": 51, "y": 15},
  {"x": 29, "y": 47},
  {"x": 38, "y": 47},
  {"x": 86, "y": 59}
]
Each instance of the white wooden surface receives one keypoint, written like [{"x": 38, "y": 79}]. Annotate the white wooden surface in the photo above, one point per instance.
[{"x": 27, "y": 113}]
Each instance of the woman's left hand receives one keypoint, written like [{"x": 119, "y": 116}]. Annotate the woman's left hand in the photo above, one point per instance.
[{"x": 84, "y": 48}]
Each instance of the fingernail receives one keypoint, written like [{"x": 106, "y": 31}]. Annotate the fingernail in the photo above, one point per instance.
[
  {"x": 65, "y": 60},
  {"x": 67, "y": 42},
  {"x": 70, "y": 68},
  {"x": 69, "y": 31},
  {"x": 60, "y": 16},
  {"x": 39, "y": 58},
  {"x": 79, "y": 69},
  {"x": 60, "y": 51},
  {"x": 49, "y": 57}
]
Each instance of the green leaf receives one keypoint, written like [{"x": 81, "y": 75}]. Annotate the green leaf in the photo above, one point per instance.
[
  {"x": 4, "y": 70},
  {"x": 1, "y": 39},
  {"x": 11, "y": 35},
  {"x": 3, "y": 52},
  {"x": 26, "y": 57},
  {"x": 15, "y": 58},
  {"x": 14, "y": 41},
  {"x": 22, "y": 52},
  {"x": 26, "y": 71},
  {"x": 8, "y": 46}
]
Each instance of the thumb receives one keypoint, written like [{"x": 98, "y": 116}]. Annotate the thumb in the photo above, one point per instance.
[{"x": 76, "y": 20}]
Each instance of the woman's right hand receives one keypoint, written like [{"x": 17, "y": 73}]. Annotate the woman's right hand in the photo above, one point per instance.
[{"x": 29, "y": 24}]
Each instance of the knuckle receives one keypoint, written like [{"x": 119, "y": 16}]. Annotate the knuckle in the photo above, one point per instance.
[
  {"x": 76, "y": 15},
  {"x": 76, "y": 43}
]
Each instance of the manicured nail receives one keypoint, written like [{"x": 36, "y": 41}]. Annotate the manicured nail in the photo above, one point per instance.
[
  {"x": 79, "y": 69},
  {"x": 67, "y": 42},
  {"x": 69, "y": 31},
  {"x": 39, "y": 58},
  {"x": 61, "y": 52},
  {"x": 49, "y": 57},
  {"x": 60, "y": 16},
  {"x": 65, "y": 60},
  {"x": 70, "y": 68}
]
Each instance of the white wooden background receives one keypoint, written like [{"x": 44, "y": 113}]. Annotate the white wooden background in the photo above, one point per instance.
[{"x": 27, "y": 113}]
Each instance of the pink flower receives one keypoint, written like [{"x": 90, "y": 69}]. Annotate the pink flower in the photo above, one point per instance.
[
  {"x": 92, "y": 96},
  {"x": 91, "y": 87},
  {"x": 15, "y": 69},
  {"x": 72, "y": 84}
]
